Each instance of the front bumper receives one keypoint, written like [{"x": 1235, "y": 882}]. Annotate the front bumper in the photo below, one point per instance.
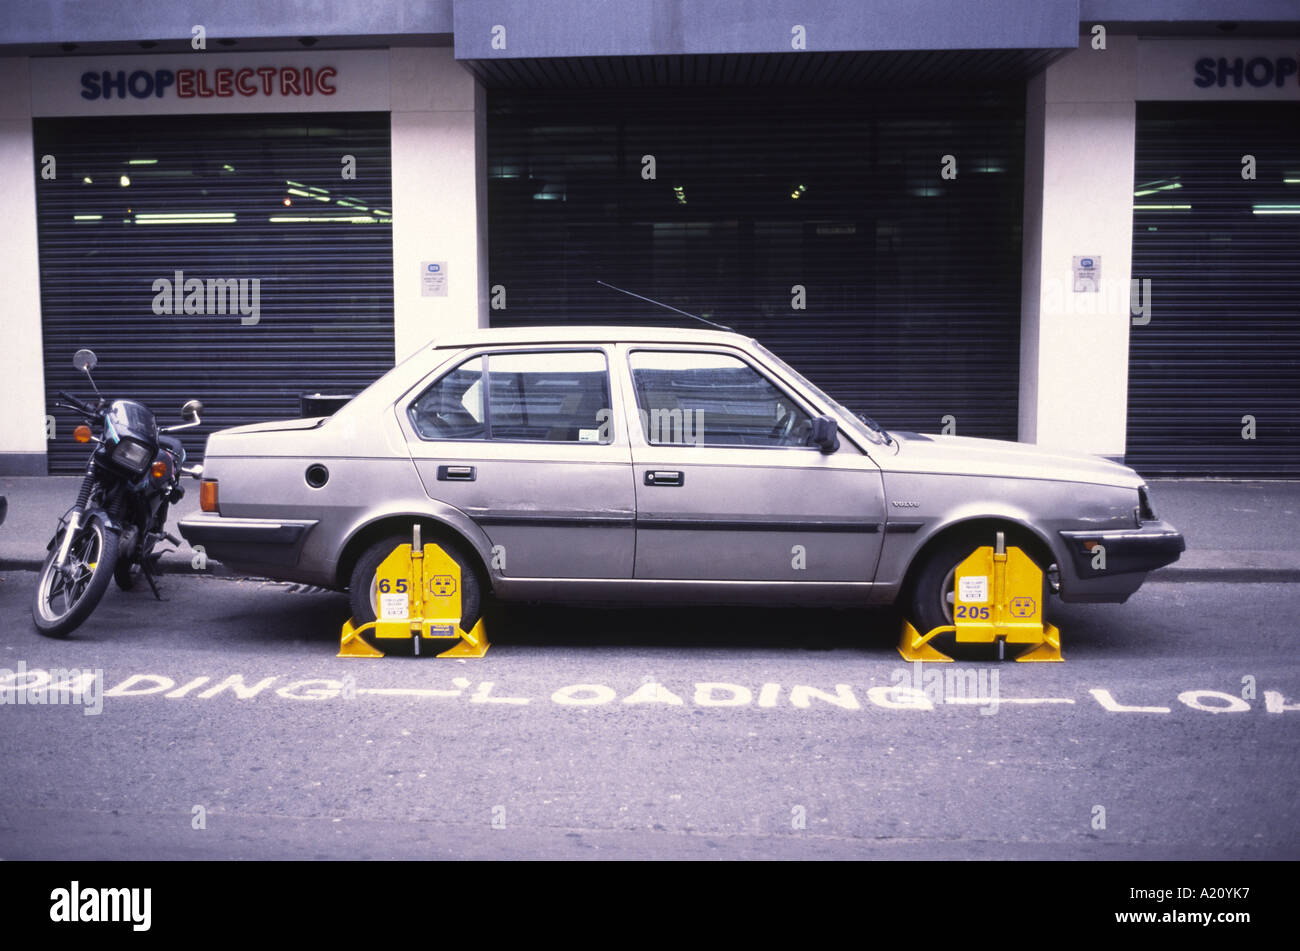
[
  {"x": 1126, "y": 551},
  {"x": 248, "y": 542}
]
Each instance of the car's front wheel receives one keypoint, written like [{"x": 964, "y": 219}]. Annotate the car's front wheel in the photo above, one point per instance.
[
  {"x": 934, "y": 587},
  {"x": 363, "y": 591}
]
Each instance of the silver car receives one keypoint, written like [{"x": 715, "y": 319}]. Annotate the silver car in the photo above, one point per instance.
[{"x": 655, "y": 465}]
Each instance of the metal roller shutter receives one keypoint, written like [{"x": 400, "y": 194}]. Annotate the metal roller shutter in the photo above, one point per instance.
[
  {"x": 1223, "y": 341},
  {"x": 912, "y": 281},
  {"x": 323, "y": 262}
]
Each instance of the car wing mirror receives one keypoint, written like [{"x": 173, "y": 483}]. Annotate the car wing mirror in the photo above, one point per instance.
[{"x": 825, "y": 434}]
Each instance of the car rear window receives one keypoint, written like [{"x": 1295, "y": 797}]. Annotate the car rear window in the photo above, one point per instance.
[{"x": 545, "y": 396}]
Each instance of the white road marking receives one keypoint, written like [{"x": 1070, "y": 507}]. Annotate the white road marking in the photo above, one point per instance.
[
  {"x": 182, "y": 691},
  {"x": 653, "y": 693},
  {"x": 1196, "y": 700},
  {"x": 1106, "y": 700},
  {"x": 1024, "y": 700},
  {"x": 801, "y": 696},
  {"x": 737, "y": 696},
  {"x": 569, "y": 696},
  {"x": 703, "y": 694},
  {"x": 483, "y": 695},
  {"x": 899, "y": 698},
  {"x": 1274, "y": 702},
  {"x": 408, "y": 692}
]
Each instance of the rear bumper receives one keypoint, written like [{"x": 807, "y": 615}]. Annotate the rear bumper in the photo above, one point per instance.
[
  {"x": 1126, "y": 551},
  {"x": 248, "y": 542}
]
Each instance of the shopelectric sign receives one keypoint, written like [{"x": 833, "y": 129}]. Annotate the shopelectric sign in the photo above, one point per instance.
[
  {"x": 1258, "y": 71},
  {"x": 203, "y": 83},
  {"x": 1188, "y": 69},
  {"x": 340, "y": 80}
]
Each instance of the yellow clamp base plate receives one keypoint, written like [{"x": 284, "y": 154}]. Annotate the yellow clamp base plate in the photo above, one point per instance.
[{"x": 471, "y": 644}]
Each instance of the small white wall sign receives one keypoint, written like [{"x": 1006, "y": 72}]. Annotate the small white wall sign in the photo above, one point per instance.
[
  {"x": 1087, "y": 273},
  {"x": 433, "y": 278}
]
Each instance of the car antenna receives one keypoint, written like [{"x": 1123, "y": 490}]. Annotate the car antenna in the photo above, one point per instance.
[{"x": 650, "y": 300}]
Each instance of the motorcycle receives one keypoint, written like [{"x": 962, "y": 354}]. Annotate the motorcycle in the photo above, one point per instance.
[{"x": 120, "y": 515}]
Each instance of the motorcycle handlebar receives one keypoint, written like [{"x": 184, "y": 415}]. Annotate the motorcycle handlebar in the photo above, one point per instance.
[{"x": 77, "y": 404}]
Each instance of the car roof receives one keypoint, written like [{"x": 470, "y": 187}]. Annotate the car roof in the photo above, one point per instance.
[{"x": 564, "y": 333}]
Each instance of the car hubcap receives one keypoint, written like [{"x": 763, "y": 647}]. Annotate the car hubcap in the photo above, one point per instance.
[{"x": 948, "y": 594}]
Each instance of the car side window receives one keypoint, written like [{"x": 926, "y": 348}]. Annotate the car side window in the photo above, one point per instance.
[
  {"x": 452, "y": 408},
  {"x": 543, "y": 396},
  {"x": 712, "y": 399}
]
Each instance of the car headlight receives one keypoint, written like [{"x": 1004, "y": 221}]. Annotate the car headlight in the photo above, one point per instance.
[{"x": 132, "y": 455}]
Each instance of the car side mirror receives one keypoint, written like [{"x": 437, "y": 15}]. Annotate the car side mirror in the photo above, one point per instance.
[{"x": 825, "y": 434}]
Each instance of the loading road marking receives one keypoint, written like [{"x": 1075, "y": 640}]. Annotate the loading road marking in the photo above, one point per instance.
[{"x": 36, "y": 686}]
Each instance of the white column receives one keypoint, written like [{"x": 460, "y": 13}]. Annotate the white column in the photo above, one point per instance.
[
  {"x": 439, "y": 194},
  {"x": 1079, "y": 134},
  {"x": 22, "y": 367}
]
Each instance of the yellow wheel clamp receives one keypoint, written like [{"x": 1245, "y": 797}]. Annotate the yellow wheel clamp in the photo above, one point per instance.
[
  {"x": 998, "y": 597},
  {"x": 418, "y": 590}
]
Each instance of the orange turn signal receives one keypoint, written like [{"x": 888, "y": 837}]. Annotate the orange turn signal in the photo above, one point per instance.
[
  {"x": 208, "y": 495},
  {"x": 81, "y": 433},
  {"x": 158, "y": 469}
]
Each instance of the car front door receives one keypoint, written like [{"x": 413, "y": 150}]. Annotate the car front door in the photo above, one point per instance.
[
  {"x": 522, "y": 442},
  {"x": 728, "y": 487}
]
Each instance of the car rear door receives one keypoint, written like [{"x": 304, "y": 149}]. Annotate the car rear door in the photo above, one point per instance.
[{"x": 523, "y": 441}]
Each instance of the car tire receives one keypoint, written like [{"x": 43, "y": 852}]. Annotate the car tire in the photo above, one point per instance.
[
  {"x": 929, "y": 602},
  {"x": 361, "y": 593}
]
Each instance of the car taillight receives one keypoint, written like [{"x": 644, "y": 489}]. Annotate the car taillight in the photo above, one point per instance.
[
  {"x": 1146, "y": 512},
  {"x": 208, "y": 495}
]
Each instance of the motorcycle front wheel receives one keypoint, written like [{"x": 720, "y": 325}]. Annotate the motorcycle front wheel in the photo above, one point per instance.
[{"x": 65, "y": 597}]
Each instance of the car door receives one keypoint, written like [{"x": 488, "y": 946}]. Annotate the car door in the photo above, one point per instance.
[
  {"x": 522, "y": 441},
  {"x": 727, "y": 488}
]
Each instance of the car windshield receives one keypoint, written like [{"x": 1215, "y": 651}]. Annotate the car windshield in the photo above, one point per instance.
[{"x": 865, "y": 425}]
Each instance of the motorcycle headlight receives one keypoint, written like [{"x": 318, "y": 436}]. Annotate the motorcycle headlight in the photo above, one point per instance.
[{"x": 132, "y": 456}]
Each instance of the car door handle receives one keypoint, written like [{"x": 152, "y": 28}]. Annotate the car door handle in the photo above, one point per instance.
[
  {"x": 663, "y": 477},
  {"x": 456, "y": 473}
]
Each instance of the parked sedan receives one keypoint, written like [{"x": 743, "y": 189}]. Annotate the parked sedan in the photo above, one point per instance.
[{"x": 633, "y": 465}]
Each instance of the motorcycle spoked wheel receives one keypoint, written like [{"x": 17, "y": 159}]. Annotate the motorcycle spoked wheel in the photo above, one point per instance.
[{"x": 65, "y": 598}]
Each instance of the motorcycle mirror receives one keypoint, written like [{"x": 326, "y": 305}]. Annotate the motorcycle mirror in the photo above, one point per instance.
[
  {"x": 85, "y": 360},
  {"x": 191, "y": 410}
]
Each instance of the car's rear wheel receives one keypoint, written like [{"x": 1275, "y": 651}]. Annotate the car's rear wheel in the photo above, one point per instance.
[
  {"x": 364, "y": 595},
  {"x": 933, "y": 589}
]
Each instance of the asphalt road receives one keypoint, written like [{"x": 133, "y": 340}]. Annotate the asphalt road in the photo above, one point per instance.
[{"x": 649, "y": 733}]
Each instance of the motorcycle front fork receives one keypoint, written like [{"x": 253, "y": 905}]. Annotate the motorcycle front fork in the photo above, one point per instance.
[{"x": 74, "y": 520}]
